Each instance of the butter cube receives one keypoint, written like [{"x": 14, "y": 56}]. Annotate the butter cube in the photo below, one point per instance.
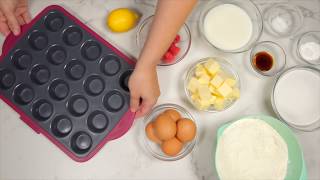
[
  {"x": 225, "y": 90},
  {"x": 212, "y": 67},
  {"x": 200, "y": 71},
  {"x": 231, "y": 82},
  {"x": 196, "y": 102},
  {"x": 235, "y": 93},
  {"x": 204, "y": 93},
  {"x": 193, "y": 84},
  {"x": 214, "y": 91},
  {"x": 204, "y": 79},
  {"x": 219, "y": 103},
  {"x": 216, "y": 81},
  {"x": 201, "y": 105},
  {"x": 212, "y": 100},
  {"x": 205, "y": 104},
  {"x": 195, "y": 96}
]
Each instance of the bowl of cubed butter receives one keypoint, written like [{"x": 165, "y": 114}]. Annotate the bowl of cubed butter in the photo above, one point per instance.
[{"x": 212, "y": 85}]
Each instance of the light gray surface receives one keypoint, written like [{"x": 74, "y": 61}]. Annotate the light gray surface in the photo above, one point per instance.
[{"x": 27, "y": 155}]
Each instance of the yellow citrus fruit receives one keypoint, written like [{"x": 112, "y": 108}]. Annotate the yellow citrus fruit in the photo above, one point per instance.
[{"x": 122, "y": 20}]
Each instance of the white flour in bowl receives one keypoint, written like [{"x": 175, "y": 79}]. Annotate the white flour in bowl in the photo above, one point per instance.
[
  {"x": 297, "y": 97},
  {"x": 251, "y": 149}
]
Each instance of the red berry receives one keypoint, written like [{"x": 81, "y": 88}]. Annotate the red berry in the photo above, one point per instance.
[
  {"x": 168, "y": 57},
  {"x": 174, "y": 49},
  {"x": 177, "y": 39}
]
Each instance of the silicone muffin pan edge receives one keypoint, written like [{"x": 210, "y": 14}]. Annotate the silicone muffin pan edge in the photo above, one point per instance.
[{"x": 120, "y": 128}]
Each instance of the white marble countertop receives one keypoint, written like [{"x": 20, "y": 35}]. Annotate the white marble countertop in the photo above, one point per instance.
[{"x": 27, "y": 155}]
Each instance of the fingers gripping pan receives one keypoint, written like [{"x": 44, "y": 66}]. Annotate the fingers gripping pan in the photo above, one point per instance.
[{"x": 67, "y": 83}]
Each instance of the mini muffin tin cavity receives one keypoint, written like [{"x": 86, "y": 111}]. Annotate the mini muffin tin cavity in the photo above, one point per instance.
[{"x": 67, "y": 81}]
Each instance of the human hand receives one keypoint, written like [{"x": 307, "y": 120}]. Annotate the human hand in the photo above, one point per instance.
[
  {"x": 143, "y": 84},
  {"x": 13, "y": 14}
]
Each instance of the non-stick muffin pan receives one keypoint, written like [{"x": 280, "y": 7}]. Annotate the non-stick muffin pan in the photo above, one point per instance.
[{"x": 67, "y": 83}]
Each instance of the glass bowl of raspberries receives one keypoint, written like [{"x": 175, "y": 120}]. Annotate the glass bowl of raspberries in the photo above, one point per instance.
[{"x": 178, "y": 49}]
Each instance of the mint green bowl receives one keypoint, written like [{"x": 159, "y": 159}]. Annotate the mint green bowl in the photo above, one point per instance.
[{"x": 296, "y": 166}]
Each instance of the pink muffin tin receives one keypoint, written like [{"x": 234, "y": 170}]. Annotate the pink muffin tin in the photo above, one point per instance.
[{"x": 67, "y": 83}]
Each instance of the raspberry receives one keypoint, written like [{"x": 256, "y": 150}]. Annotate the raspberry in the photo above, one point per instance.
[
  {"x": 168, "y": 57},
  {"x": 177, "y": 39},
  {"x": 174, "y": 49}
]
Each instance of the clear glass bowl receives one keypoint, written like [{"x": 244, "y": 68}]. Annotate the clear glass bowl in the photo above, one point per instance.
[
  {"x": 315, "y": 124},
  {"x": 250, "y": 8},
  {"x": 312, "y": 37},
  {"x": 184, "y": 44},
  {"x": 283, "y": 19},
  {"x": 155, "y": 149},
  {"x": 276, "y": 51},
  {"x": 226, "y": 67}
]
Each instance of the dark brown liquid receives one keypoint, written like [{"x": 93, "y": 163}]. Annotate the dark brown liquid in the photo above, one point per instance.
[{"x": 263, "y": 61}]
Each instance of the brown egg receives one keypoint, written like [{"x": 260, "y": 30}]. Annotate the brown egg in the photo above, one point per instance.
[
  {"x": 171, "y": 147},
  {"x": 150, "y": 133},
  {"x": 175, "y": 115},
  {"x": 186, "y": 130},
  {"x": 164, "y": 127}
]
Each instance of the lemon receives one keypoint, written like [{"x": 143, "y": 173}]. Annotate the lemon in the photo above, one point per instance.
[{"x": 122, "y": 20}]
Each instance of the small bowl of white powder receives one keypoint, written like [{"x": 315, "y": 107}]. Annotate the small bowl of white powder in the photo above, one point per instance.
[
  {"x": 296, "y": 97},
  {"x": 308, "y": 48},
  {"x": 283, "y": 19},
  {"x": 231, "y": 26}
]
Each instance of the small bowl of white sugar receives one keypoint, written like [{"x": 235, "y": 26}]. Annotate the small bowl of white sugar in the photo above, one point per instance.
[
  {"x": 283, "y": 19},
  {"x": 296, "y": 97},
  {"x": 308, "y": 47}
]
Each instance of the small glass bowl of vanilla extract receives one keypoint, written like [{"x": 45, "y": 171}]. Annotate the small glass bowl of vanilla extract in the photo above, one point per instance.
[{"x": 268, "y": 58}]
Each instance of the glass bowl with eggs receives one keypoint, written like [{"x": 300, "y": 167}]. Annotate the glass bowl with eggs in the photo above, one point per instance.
[
  {"x": 169, "y": 132},
  {"x": 212, "y": 85},
  {"x": 231, "y": 26}
]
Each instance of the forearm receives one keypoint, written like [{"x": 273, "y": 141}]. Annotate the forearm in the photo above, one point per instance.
[{"x": 169, "y": 17}]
